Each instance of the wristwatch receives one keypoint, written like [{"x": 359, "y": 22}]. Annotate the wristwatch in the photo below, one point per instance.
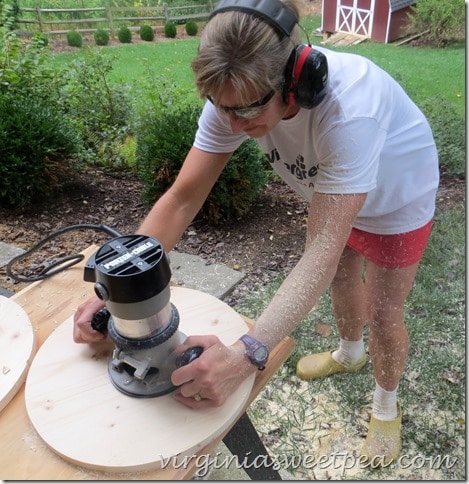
[{"x": 257, "y": 352}]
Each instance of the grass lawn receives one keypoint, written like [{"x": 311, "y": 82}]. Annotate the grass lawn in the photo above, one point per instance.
[{"x": 136, "y": 64}]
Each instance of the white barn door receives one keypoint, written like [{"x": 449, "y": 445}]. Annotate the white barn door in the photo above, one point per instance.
[{"x": 355, "y": 16}]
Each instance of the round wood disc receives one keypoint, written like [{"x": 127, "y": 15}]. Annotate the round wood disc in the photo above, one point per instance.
[
  {"x": 17, "y": 345},
  {"x": 78, "y": 412}
]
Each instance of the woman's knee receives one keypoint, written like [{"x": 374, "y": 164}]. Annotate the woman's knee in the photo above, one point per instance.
[
  {"x": 349, "y": 269},
  {"x": 387, "y": 319}
]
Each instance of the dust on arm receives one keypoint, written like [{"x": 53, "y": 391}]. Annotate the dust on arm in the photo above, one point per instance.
[{"x": 329, "y": 224}]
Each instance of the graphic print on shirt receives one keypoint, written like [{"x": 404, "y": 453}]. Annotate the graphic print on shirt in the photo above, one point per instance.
[{"x": 298, "y": 169}]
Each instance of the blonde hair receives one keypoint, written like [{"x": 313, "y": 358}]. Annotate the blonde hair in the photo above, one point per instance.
[{"x": 245, "y": 51}]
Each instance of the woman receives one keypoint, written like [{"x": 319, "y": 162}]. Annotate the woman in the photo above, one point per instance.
[{"x": 344, "y": 135}]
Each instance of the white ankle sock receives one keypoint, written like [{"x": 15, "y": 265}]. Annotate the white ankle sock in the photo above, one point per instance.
[
  {"x": 384, "y": 404},
  {"x": 349, "y": 352}
]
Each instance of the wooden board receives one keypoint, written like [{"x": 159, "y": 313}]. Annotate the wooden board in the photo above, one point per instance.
[
  {"x": 77, "y": 411},
  {"x": 17, "y": 345},
  {"x": 23, "y": 454}
]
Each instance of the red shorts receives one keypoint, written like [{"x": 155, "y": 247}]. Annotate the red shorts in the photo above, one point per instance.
[{"x": 391, "y": 251}]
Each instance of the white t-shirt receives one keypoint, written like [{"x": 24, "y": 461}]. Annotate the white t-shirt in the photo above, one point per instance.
[{"x": 366, "y": 136}]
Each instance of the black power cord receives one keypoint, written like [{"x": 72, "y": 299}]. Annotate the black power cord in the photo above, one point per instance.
[{"x": 60, "y": 264}]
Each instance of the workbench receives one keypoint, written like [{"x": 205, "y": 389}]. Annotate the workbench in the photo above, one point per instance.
[{"x": 23, "y": 454}]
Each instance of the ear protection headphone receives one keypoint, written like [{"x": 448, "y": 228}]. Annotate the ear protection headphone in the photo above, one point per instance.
[{"x": 306, "y": 71}]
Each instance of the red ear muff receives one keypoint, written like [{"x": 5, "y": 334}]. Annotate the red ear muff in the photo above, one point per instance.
[
  {"x": 305, "y": 77},
  {"x": 297, "y": 69}
]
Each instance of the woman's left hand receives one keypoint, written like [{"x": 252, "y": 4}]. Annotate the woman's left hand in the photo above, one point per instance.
[{"x": 211, "y": 378}]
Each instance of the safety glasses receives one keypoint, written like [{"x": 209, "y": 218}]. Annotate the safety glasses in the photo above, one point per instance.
[{"x": 247, "y": 112}]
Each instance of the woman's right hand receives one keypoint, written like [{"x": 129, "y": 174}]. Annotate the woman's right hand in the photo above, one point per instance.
[{"x": 82, "y": 330}]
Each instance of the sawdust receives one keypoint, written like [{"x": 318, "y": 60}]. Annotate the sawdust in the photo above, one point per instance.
[
  {"x": 35, "y": 444},
  {"x": 307, "y": 433}
]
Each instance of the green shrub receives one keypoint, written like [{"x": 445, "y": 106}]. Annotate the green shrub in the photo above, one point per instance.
[
  {"x": 443, "y": 20},
  {"x": 10, "y": 14},
  {"x": 162, "y": 144},
  {"x": 147, "y": 33},
  {"x": 101, "y": 37},
  {"x": 74, "y": 38},
  {"x": 126, "y": 151},
  {"x": 170, "y": 30},
  {"x": 191, "y": 28},
  {"x": 41, "y": 39},
  {"x": 37, "y": 148},
  {"x": 100, "y": 110},
  {"x": 449, "y": 131},
  {"x": 23, "y": 65},
  {"x": 124, "y": 34},
  {"x": 239, "y": 186}
]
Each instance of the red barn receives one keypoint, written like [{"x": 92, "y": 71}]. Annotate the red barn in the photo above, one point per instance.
[{"x": 378, "y": 20}]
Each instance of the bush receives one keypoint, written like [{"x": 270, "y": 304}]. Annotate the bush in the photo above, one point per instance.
[
  {"x": 191, "y": 28},
  {"x": 10, "y": 14},
  {"x": 23, "y": 65},
  {"x": 444, "y": 19},
  {"x": 41, "y": 39},
  {"x": 170, "y": 30},
  {"x": 100, "y": 110},
  {"x": 146, "y": 33},
  {"x": 163, "y": 142},
  {"x": 74, "y": 38},
  {"x": 239, "y": 186},
  {"x": 449, "y": 132},
  {"x": 101, "y": 37},
  {"x": 124, "y": 34},
  {"x": 36, "y": 149}
]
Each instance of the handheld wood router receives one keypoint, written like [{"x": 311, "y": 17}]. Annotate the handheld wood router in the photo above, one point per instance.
[{"x": 131, "y": 275}]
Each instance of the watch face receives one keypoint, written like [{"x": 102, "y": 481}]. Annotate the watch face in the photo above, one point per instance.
[
  {"x": 256, "y": 351},
  {"x": 261, "y": 354}
]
